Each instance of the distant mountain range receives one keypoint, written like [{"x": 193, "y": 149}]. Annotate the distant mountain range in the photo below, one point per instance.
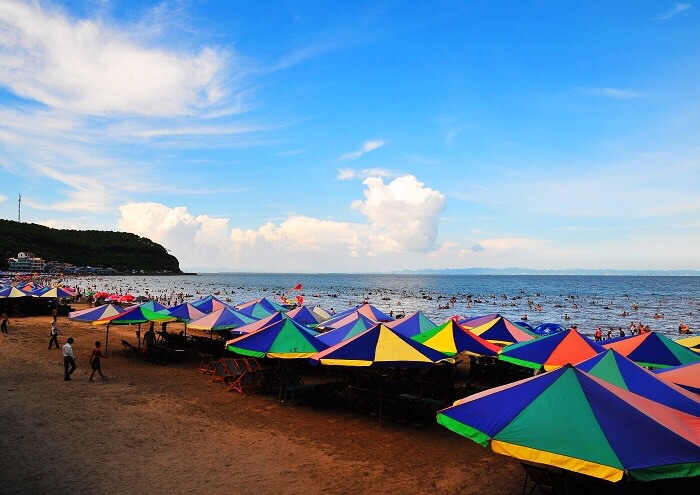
[{"x": 529, "y": 271}]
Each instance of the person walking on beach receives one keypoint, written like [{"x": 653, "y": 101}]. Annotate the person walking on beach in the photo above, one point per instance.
[
  {"x": 68, "y": 359},
  {"x": 3, "y": 322},
  {"x": 54, "y": 335},
  {"x": 598, "y": 334},
  {"x": 95, "y": 358}
]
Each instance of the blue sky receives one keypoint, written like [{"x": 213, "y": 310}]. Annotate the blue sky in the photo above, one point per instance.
[{"x": 360, "y": 136}]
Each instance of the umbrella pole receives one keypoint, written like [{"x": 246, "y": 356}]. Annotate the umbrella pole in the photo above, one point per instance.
[
  {"x": 138, "y": 336},
  {"x": 107, "y": 340},
  {"x": 381, "y": 399}
]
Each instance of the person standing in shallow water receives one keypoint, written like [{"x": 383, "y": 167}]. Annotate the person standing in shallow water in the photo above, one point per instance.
[
  {"x": 95, "y": 358},
  {"x": 68, "y": 359}
]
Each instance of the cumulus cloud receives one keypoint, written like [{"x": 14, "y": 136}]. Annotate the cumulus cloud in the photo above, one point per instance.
[
  {"x": 86, "y": 67},
  {"x": 367, "y": 146},
  {"x": 401, "y": 218}
]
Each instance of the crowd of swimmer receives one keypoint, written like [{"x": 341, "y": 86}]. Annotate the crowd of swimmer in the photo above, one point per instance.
[{"x": 587, "y": 313}]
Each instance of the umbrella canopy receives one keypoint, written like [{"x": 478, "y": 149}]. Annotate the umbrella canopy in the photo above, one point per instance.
[
  {"x": 258, "y": 324},
  {"x": 305, "y": 316},
  {"x": 93, "y": 314},
  {"x": 552, "y": 351},
  {"x": 259, "y": 308},
  {"x": 654, "y": 350},
  {"x": 209, "y": 303},
  {"x": 343, "y": 319},
  {"x": 476, "y": 321},
  {"x": 13, "y": 292},
  {"x": 183, "y": 312},
  {"x": 450, "y": 338},
  {"x": 547, "y": 328},
  {"x": 379, "y": 346},
  {"x": 617, "y": 369},
  {"x": 221, "y": 319},
  {"x": 154, "y": 306},
  {"x": 133, "y": 316},
  {"x": 285, "y": 339},
  {"x": 347, "y": 331},
  {"x": 686, "y": 376},
  {"x": 350, "y": 314},
  {"x": 501, "y": 331},
  {"x": 57, "y": 292},
  {"x": 616, "y": 431},
  {"x": 692, "y": 343},
  {"x": 412, "y": 325}
]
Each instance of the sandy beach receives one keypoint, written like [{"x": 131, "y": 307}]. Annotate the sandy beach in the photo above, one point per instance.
[{"x": 166, "y": 429}]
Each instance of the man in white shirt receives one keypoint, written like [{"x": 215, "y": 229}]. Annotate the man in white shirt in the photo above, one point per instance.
[{"x": 68, "y": 358}]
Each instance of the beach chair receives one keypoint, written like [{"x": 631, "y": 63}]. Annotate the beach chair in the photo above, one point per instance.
[
  {"x": 221, "y": 374},
  {"x": 244, "y": 381},
  {"x": 129, "y": 348},
  {"x": 293, "y": 384},
  {"x": 542, "y": 478}
]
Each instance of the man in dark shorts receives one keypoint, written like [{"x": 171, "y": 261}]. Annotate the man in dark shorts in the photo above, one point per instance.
[{"x": 95, "y": 359}]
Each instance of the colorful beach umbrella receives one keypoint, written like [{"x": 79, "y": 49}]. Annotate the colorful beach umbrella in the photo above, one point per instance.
[
  {"x": 551, "y": 351},
  {"x": 154, "y": 306},
  {"x": 692, "y": 343},
  {"x": 342, "y": 320},
  {"x": 221, "y": 319},
  {"x": 380, "y": 346},
  {"x": 97, "y": 313},
  {"x": 350, "y": 314},
  {"x": 285, "y": 339},
  {"x": 572, "y": 420},
  {"x": 347, "y": 331},
  {"x": 259, "y": 308},
  {"x": 135, "y": 315},
  {"x": 305, "y": 316},
  {"x": 617, "y": 369},
  {"x": 57, "y": 293},
  {"x": 258, "y": 324},
  {"x": 452, "y": 339},
  {"x": 476, "y": 321},
  {"x": 412, "y": 325},
  {"x": 653, "y": 349},
  {"x": 501, "y": 331},
  {"x": 183, "y": 312},
  {"x": 209, "y": 303},
  {"x": 13, "y": 292},
  {"x": 321, "y": 313},
  {"x": 685, "y": 375}
]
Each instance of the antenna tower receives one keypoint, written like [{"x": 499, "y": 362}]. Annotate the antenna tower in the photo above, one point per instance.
[{"x": 19, "y": 208}]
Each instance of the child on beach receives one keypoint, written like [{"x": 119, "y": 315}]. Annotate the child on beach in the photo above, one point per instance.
[{"x": 95, "y": 358}]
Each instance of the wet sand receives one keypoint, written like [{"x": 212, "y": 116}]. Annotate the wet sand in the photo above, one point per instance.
[{"x": 152, "y": 429}]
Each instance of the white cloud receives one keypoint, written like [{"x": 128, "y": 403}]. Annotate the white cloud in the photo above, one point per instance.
[
  {"x": 615, "y": 93},
  {"x": 367, "y": 146},
  {"x": 86, "y": 67},
  {"x": 677, "y": 9},
  {"x": 402, "y": 219},
  {"x": 349, "y": 173}
]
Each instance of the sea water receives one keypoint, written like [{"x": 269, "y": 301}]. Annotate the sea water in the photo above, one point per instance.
[{"x": 585, "y": 301}]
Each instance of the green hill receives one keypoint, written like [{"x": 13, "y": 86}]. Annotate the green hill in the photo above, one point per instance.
[{"x": 119, "y": 250}]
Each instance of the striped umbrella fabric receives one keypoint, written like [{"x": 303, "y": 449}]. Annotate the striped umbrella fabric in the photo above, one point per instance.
[
  {"x": 285, "y": 339},
  {"x": 685, "y": 375},
  {"x": 654, "y": 350},
  {"x": 97, "y": 313},
  {"x": 502, "y": 331},
  {"x": 452, "y": 339},
  {"x": 412, "y": 325},
  {"x": 552, "y": 351},
  {"x": 572, "y": 420}
]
